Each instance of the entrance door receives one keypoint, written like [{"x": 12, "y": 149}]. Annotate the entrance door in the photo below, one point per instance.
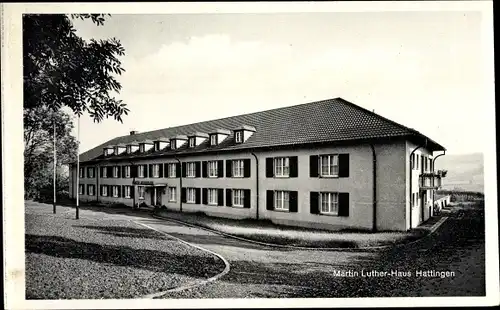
[{"x": 158, "y": 196}]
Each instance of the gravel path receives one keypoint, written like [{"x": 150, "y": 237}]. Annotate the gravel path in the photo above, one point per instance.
[{"x": 105, "y": 258}]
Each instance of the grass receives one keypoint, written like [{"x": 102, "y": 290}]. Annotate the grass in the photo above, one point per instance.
[{"x": 266, "y": 231}]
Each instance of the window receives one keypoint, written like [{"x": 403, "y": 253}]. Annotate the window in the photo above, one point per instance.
[
  {"x": 329, "y": 165},
  {"x": 212, "y": 169},
  {"x": 191, "y": 170},
  {"x": 282, "y": 167},
  {"x": 192, "y": 142},
  {"x": 81, "y": 173},
  {"x": 127, "y": 171},
  {"x": 172, "y": 194},
  {"x": 213, "y": 140},
  {"x": 105, "y": 191},
  {"x": 80, "y": 189},
  {"x": 128, "y": 149},
  {"x": 172, "y": 144},
  {"x": 212, "y": 196},
  {"x": 238, "y": 170},
  {"x": 416, "y": 161},
  {"x": 115, "y": 191},
  {"x": 171, "y": 171},
  {"x": 281, "y": 200},
  {"x": 140, "y": 171},
  {"x": 91, "y": 190},
  {"x": 140, "y": 190},
  {"x": 115, "y": 172},
  {"x": 191, "y": 195},
  {"x": 329, "y": 203},
  {"x": 141, "y": 148},
  {"x": 156, "y": 171},
  {"x": 105, "y": 172},
  {"x": 239, "y": 136},
  {"x": 238, "y": 197},
  {"x": 127, "y": 191}
]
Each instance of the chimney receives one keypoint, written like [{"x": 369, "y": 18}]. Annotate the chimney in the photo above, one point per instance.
[{"x": 134, "y": 132}]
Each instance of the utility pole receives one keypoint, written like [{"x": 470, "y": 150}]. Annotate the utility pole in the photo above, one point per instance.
[
  {"x": 55, "y": 165},
  {"x": 78, "y": 169}
]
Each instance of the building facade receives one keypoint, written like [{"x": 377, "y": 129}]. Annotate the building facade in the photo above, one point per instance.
[{"x": 327, "y": 164}]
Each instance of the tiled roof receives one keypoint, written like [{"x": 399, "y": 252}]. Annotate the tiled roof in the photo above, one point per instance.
[{"x": 321, "y": 121}]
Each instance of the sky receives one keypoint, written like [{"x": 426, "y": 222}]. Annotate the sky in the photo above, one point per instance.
[{"x": 420, "y": 69}]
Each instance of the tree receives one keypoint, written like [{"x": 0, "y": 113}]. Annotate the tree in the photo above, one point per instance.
[
  {"x": 39, "y": 147},
  {"x": 62, "y": 69}
]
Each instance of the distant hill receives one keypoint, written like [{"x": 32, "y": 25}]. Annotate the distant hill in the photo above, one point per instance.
[{"x": 465, "y": 172}]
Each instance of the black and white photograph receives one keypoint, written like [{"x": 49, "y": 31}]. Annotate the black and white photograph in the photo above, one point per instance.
[{"x": 197, "y": 155}]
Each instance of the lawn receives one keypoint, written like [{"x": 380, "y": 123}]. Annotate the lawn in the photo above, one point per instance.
[
  {"x": 266, "y": 231},
  {"x": 105, "y": 258}
]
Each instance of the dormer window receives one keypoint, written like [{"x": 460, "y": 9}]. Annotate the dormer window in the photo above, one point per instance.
[
  {"x": 192, "y": 142},
  {"x": 213, "y": 140},
  {"x": 129, "y": 149},
  {"x": 238, "y": 136},
  {"x": 141, "y": 148},
  {"x": 172, "y": 144}
]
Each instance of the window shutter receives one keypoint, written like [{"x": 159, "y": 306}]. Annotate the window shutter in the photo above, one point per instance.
[
  {"x": 123, "y": 191},
  {"x": 247, "y": 198},
  {"x": 160, "y": 170},
  {"x": 293, "y": 202},
  {"x": 269, "y": 167},
  {"x": 83, "y": 188},
  {"x": 294, "y": 169},
  {"x": 204, "y": 169},
  {"x": 101, "y": 171},
  {"x": 344, "y": 165},
  {"x": 197, "y": 166},
  {"x": 165, "y": 170},
  {"x": 119, "y": 191},
  {"x": 220, "y": 168},
  {"x": 83, "y": 172},
  {"x": 314, "y": 202},
  {"x": 343, "y": 204},
  {"x": 124, "y": 174},
  {"x": 150, "y": 173},
  {"x": 100, "y": 190},
  {"x": 132, "y": 191},
  {"x": 109, "y": 187},
  {"x": 229, "y": 197},
  {"x": 270, "y": 200},
  {"x": 120, "y": 172},
  {"x": 205, "y": 196},
  {"x": 183, "y": 194},
  {"x": 198, "y": 195},
  {"x": 229, "y": 168},
  {"x": 313, "y": 166},
  {"x": 133, "y": 171},
  {"x": 178, "y": 170},
  {"x": 145, "y": 170},
  {"x": 220, "y": 197},
  {"x": 110, "y": 171},
  {"x": 246, "y": 168},
  {"x": 183, "y": 170}
]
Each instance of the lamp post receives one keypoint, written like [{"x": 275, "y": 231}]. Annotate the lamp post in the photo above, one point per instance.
[{"x": 78, "y": 170}]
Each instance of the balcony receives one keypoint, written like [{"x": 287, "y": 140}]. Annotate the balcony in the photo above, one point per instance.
[{"x": 431, "y": 180}]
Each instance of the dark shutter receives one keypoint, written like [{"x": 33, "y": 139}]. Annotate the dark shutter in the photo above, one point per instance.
[
  {"x": 246, "y": 167},
  {"x": 183, "y": 194},
  {"x": 124, "y": 173},
  {"x": 83, "y": 188},
  {"x": 120, "y": 193},
  {"x": 247, "y": 196},
  {"x": 110, "y": 171},
  {"x": 150, "y": 170},
  {"x": 344, "y": 165},
  {"x": 178, "y": 170},
  {"x": 120, "y": 172},
  {"x": 294, "y": 166},
  {"x": 101, "y": 171},
  {"x": 160, "y": 170},
  {"x": 313, "y": 166},
  {"x": 165, "y": 170},
  {"x": 229, "y": 168},
  {"x": 229, "y": 197},
  {"x": 183, "y": 170},
  {"x": 314, "y": 202},
  {"x": 343, "y": 204},
  {"x": 109, "y": 187},
  {"x": 197, "y": 192},
  {"x": 220, "y": 168},
  {"x": 269, "y": 167},
  {"x": 83, "y": 172},
  {"x": 133, "y": 171},
  {"x": 205, "y": 196},
  {"x": 145, "y": 170},
  {"x": 197, "y": 166},
  {"x": 204, "y": 168},
  {"x": 132, "y": 191},
  {"x": 293, "y": 202},
  {"x": 270, "y": 200},
  {"x": 100, "y": 190},
  {"x": 220, "y": 197},
  {"x": 123, "y": 190}
]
